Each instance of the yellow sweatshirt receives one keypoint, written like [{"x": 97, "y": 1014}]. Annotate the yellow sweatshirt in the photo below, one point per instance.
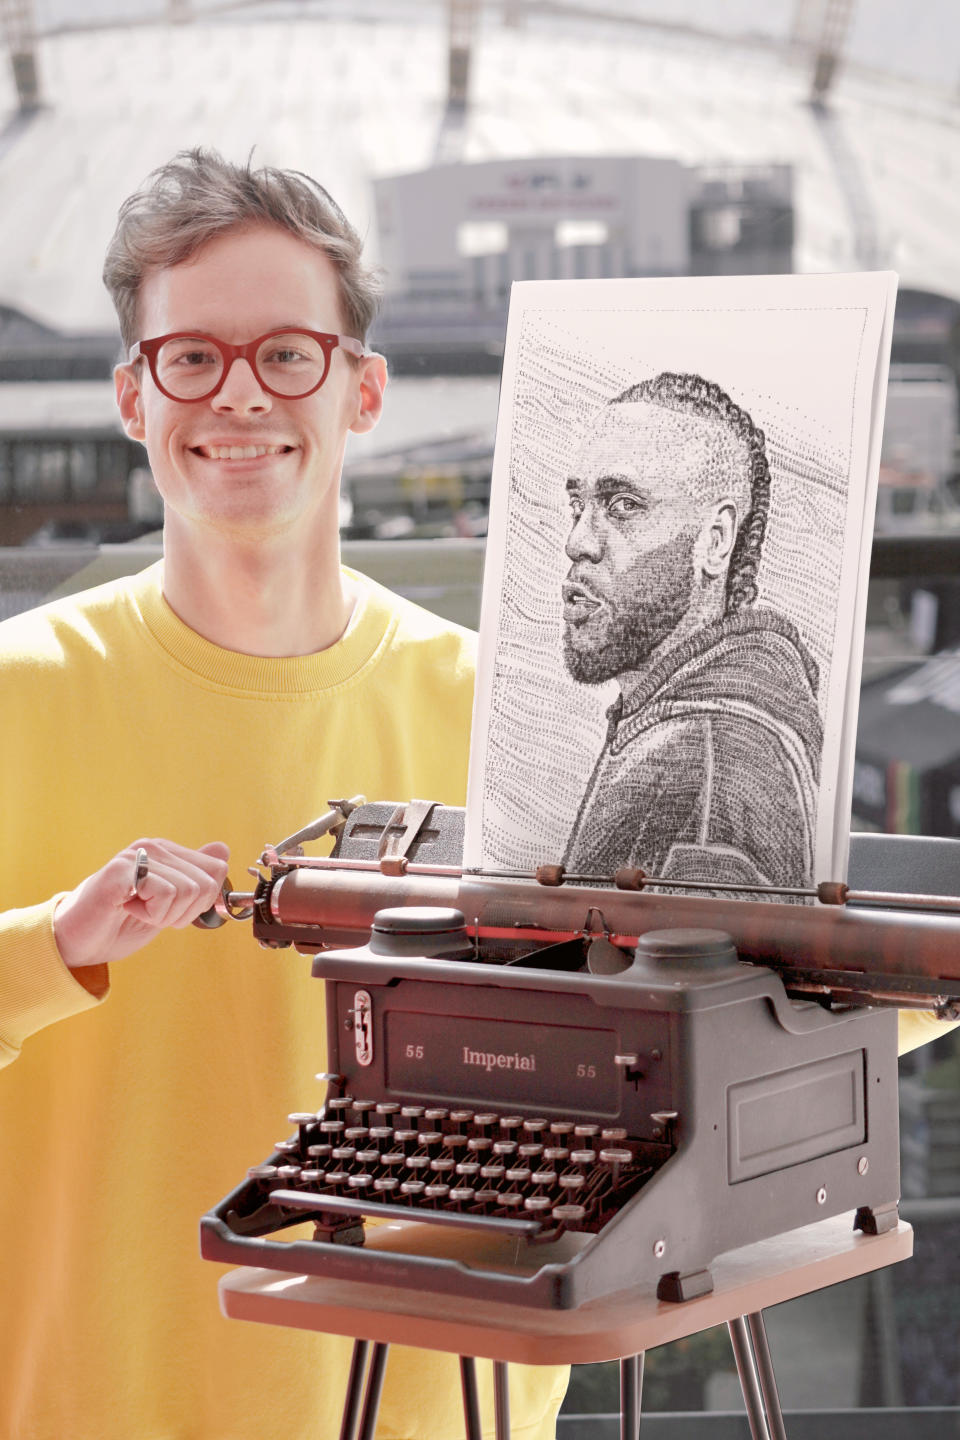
[{"x": 121, "y": 1126}]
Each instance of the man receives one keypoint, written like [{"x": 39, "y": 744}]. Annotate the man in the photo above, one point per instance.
[
  {"x": 228, "y": 693},
  {"x": 711, "y": 765}
]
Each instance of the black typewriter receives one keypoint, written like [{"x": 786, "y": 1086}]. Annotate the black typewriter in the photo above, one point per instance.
[{"x": 552, "y": 1120}]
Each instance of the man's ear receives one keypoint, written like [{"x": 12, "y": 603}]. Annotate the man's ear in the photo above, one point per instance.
[
  {"x": 720, "y": 536},
  {"x": 126, "y": 383},
  {"x": 372, "y": 378}
]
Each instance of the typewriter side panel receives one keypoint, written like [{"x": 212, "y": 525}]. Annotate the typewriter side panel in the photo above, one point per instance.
[{"x": 778, "y": 1127}]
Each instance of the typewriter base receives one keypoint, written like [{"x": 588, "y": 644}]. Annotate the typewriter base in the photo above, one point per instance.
[{"x": 746, "y": 1281}]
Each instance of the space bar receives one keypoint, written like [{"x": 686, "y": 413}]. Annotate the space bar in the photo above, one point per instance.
[{"x": 344, "y": 1205}]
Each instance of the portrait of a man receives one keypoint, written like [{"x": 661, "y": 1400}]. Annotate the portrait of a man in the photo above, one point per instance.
[{"x": 711, "y": 764}]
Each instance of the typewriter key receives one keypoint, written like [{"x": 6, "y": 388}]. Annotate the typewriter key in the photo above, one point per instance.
[
  {"x": 356, "y": 1132},
  {"x": 583, "y": 1157},
  {"x": 461, "y": 1117},
  {"x": 337, "y": 1177},
  {"x": 332, "y": 1127},
  {"x": 585, "y": 1131},
  {"x": 571, "y": 1182},
  {"x": 262, "y": 1172},
  {"x": 319, "y": 1152},
  {"x": 462, "y": 1194},
  {"x": 436, "y": 1114},
  {"x": 504, "y": 1147},
  {"x": 487, "y": 1197},
  {"x": 380, "y": 1133},
  {"x": 531, "y": 1151},
  {"x": 411, "y": 1112},
  {"x": 454, "y": 1140},
  {"x": 343, "y": 1152},
  {"x": 569, "y": 1214},
  {"x": 287, "y": 1147},
  {"x": 387, "y": 1185},
  {"x": 536, "y": 1204},
  {"x": 467, "y": 1167},
  {"x": 511, "y": 1200},
  {"x": 362, "y": 1106},
  {"x": 311, "y": 1176},
  {"x": 479, "y": 1143},
  {"x": 407, "y": 1139},
  {"x": 556, "y": 1152},
  {"x": 544, "y": 1177},
  {"x": 442, "y": 1164},
  {"x": 533, "y": 1127},
  {"x": 360, "y": 1182},
  {"x": 388, "y": 1107},
  {"x": 484, "y": 1121},
  {"x": 510, "y": 1123},
  {"x": 437, "y": 1192},
  {"x": 418, "y": 1162},
  {"x": 492, "y": 1172},
  {"x": 288, "y": 1174},
  {"x": 340, "y": 1102},
  {"x": 519, "y": 1176},
  {"x": 561, "y": 1127},
  {"x": 368, "y": 1157},
  {"x": 610, "y": 1137},
  {"x": 412, "y": 1187}
]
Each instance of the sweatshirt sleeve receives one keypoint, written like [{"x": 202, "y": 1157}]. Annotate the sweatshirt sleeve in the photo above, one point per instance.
[
  {"x": 919, "y": 1027},
  {"x": 36, "y": 988}
]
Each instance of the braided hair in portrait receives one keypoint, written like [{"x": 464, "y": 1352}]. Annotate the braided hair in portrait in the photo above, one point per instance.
[{"x": 693, "y": 395}]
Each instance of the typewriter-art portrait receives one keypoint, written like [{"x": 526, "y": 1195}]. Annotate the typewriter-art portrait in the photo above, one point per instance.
[{"x": 675, "y": 549}]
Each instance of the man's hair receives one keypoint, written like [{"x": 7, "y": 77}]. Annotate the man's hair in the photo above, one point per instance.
[
  {"x": 692, "y": 395},
  {"x": 198, "y": 196}
]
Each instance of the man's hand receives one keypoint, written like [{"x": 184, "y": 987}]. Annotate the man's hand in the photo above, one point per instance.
[{"x": 103, "y": 920}]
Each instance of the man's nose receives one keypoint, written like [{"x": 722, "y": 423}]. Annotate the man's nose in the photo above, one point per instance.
[
  {"x": 584, "y": 541},
  {"x": 241, "y": 391}
]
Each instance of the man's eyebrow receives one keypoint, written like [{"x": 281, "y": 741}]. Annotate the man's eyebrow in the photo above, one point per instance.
[{"x": 606, "y": 485}]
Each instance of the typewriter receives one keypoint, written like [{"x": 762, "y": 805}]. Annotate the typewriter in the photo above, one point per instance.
[{"x": 564, "y": 1088}]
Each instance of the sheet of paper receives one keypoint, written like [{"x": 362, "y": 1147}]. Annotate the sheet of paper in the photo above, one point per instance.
[{"x": 675, "y": 585}]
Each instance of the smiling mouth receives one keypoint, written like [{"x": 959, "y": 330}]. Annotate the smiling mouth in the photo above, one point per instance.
[
  {"x": 239, "y": 452},
  {"x": 579, "y": 603}
]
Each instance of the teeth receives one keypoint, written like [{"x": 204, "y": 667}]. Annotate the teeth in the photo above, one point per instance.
[{"x": 239, "y": 452}]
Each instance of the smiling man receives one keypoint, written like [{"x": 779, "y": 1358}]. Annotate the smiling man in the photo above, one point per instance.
[
  {"x": 711, "y": 763},
  {"x": 228, "y": 692}
]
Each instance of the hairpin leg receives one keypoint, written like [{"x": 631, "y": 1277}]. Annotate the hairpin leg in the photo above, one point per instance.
[
  {"x": 351, "y": 1404},
  {"x": 746, "y": 1369},
  {"x": 471, "y": 1402},
  {"x": 631, "y": 1388},
  {"x": 501, "y": 1401},
  {"x": 768, "y": 1383},
  {"x": 371, "y": 1400}
]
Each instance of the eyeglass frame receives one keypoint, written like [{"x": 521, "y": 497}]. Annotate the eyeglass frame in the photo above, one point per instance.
[{"x": 328, "y": 342}]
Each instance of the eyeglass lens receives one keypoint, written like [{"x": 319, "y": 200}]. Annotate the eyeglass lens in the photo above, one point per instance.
[{"x": 189, "y": 367}]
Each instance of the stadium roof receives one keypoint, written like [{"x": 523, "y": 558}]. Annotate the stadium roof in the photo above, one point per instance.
[{"x": 877, "y": 175}]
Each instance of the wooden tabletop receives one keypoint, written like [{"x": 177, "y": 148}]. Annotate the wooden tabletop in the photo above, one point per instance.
[{"x": 746, "y": 1280}]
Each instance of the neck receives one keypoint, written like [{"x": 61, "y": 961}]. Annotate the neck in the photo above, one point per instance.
[
  {"x": 697, "y": 619},
  {"x": 269, "y": 596}
]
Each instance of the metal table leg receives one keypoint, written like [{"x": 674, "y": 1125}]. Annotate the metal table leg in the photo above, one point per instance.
[
  {"x": 471, "y": 1401},
  {"x": 501, "y": 1401},
  {"x": 371, "y": 1400},
  {"x": 631, "y": 1389},
  {"x": 768, "y": 1383},
  {"x": 351, "y": 1404},
  {"x": 746, "y": 1369}
]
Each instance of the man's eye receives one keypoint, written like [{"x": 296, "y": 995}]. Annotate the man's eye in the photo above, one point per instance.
[
  {"x": 197, "y": 357},
  {"x": 284, "y": 357},
  {"x": 621, "y": 506}
]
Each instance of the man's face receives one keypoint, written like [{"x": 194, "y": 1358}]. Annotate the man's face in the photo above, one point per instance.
[
  {"x": 240, "y": 286},
  {"x": 639, "y": 510}
]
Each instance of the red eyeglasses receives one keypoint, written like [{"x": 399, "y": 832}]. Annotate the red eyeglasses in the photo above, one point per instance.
[{"x": 290, "y": 364}]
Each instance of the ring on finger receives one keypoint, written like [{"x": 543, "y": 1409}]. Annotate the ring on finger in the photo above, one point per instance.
[{"x": 140, "y": 871}]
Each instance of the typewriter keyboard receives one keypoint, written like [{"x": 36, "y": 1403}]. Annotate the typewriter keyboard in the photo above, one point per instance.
[{"x": 527, "y": 1174}]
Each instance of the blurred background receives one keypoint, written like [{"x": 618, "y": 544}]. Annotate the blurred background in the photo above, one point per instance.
[{"x": 474, "y": 142}]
